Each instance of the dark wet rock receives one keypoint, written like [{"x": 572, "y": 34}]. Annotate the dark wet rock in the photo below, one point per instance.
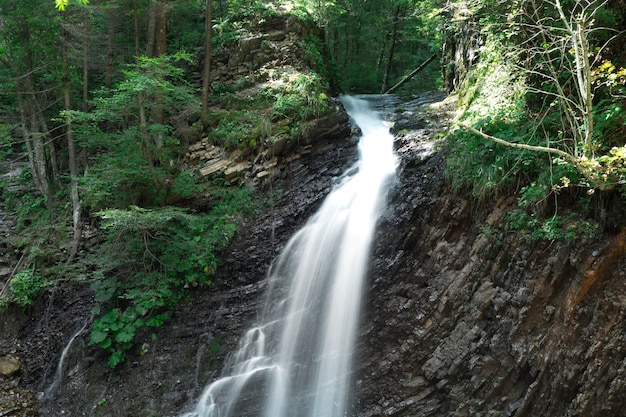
[{"x": 481, "y": 321}]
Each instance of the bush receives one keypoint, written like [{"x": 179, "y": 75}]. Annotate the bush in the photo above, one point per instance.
[
  {"x": 150, "y": 258},
  {"x": 25, "y": 286}
]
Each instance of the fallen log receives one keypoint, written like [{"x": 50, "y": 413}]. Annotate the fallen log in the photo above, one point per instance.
[{"x": 411, "y": 75}]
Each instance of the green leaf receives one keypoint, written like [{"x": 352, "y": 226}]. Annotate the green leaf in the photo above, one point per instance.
[
  {"x": 126, "y": 334},
  {"x": 106, "y": 343},
  {"x": 97, "y": 336},
  {"x": 116, "y": 358}
]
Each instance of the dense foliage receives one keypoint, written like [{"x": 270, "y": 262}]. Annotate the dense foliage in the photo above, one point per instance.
[
  {"x": 542, "y": 114},
  {"x": 147, "y": 258}
]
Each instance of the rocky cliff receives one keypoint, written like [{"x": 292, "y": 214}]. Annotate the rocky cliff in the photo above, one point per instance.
[{"x": 466, "y": 319}]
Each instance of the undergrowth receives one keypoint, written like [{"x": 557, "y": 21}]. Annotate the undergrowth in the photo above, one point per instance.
[
  {"x": 150, "y": 260},
  {"x": 495, "y": 102}
]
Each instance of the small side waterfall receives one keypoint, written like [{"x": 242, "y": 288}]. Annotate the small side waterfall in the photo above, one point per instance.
[
  {"x": 297, "y": 360},
  {"x": 58, "y": 376}
]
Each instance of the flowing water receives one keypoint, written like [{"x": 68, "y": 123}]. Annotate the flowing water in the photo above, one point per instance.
[
  {"x": 297, "y": 361},
  {"x": 58, "y": 376}
]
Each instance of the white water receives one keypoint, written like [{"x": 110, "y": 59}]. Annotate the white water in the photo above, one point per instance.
[
  {"x": 297, "y": 361},
  {"x": 58, "y": 376}
]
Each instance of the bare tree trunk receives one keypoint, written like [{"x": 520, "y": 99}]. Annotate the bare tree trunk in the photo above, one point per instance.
[
  {"x": 34, "y": 149},
  {"x": 71, "y": 148},
  {"x": 136, "y": 27},
  {"x": 206, "y": 72},
  {"x": 34, "y": 137},
  {"x": 108, "y": 63},
  {"x": 151, "y": 34},
  {"x": 161, "y": 49},
  {"x": 161, "y": 28},
  {"x": 40, "y": 165},
  {"x": 412, "y": 74},
  {"x": 86, "y": 60},
  {"x": 392, "y": 46},
  {"x": 84, "y": 155}
]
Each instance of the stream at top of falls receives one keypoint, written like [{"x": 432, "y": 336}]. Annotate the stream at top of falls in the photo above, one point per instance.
[{"x": 297, "y": 360}]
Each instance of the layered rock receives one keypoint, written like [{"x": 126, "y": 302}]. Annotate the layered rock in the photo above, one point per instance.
[{"x": 466, "y": 319}]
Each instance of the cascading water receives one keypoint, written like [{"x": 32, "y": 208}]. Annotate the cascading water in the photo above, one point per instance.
[
  {"x": 297, "y": 361},
  {"x": 58, "y": 376}
]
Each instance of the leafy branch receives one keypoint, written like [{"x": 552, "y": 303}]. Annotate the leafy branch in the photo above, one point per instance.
[
  {"x": 559, "y": 69},
  {"x": 603, "y": 172}
]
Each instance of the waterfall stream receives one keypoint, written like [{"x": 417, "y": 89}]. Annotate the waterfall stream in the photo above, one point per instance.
[
  {"x": 297, "y": 360},
  {"x": 58, "y": 376}
]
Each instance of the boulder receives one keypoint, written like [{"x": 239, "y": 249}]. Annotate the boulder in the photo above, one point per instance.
[{"x": 9, "y": 365}]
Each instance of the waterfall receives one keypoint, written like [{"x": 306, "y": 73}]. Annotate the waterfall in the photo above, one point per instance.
[
  {"x": 297, "y": 361},
  {"x": 58, "y": 376}
]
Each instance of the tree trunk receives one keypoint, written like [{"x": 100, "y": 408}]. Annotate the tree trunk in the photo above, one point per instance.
[
  {"x": 50, "y": 140},
  {"x": 161, "y": 49},
  {"x": 84, "y": 156},
  {"x": 413, "y": 74},
  {"x": 206, "y": 72},
  {"x": 151, "y": 34},
  {"x": 71, "y": 147},
  {"x": 161, "y": 28},
  {"x": 34, "y": 146},
  {"x": 108, "y": 62},
  {"x": 392, "y": 46},
  {"x": 156, "y": 44},
  {"x": 34, "y": 138},
  {"x": 136, "y": 27}
]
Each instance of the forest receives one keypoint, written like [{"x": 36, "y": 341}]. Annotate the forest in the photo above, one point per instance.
[{"x": 103, "y": 100}]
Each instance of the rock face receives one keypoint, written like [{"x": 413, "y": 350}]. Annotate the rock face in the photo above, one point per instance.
[
  {"x": 464, "y": 319},
  {"x": 461, "y": 318},
  {"x": 269, "y": 53}
]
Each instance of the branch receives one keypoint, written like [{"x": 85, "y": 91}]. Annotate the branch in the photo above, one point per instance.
[
  {"x": 6, "y": 61},
  {"x": 569, "y": 158},
  {"x": 412, "y": 74},
  {"x": 579, "y": 163}
]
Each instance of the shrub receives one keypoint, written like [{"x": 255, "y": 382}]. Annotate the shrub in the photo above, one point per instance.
[
  {"x": 150, "y": 258},
  {"x": 25, "y": 286}
]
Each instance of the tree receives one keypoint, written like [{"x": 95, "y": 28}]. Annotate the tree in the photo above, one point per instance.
[
  {"x": 137, "y": 161},
  {"x": 156, "y": 46},
  {"x": 157, "y": 29},
  {"x": 560, "y": 73},
  {"x": 375, "y": 43},
  {"x": 69, "y": 132},
  {"x": 24, "y": 49},
  {"x": 206, "y": 70},
  {"x": 393, "y": 38}
]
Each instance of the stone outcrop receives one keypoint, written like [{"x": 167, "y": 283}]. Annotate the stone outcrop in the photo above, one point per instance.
[
  {"x": 9, "y": 365},
  {"x": 270, "y": 44},
  {"x": 268, "y": 53},
  {"x": 214, "y": 161}
]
